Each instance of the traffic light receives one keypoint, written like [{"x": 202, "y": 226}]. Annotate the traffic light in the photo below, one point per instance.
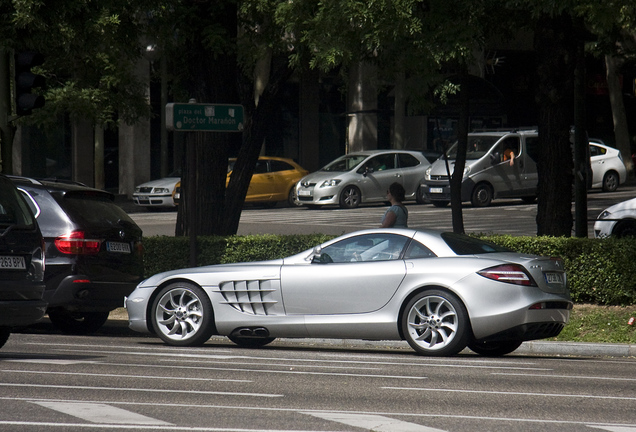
[{"x": 25, "y": 81}]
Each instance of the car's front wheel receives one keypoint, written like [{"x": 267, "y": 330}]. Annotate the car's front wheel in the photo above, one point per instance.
[
  {"x": 77, "y": 322},
  {"x": 435, "y": 323},
  {"x": 626, "y": 228},
  {"x": 5, "y": 332},
  {"x": 482, "y": 195},
  {"x": 182, "y": 315},
  {"x": 495, "y": 348},
  {"x": 350, "y": 197}
]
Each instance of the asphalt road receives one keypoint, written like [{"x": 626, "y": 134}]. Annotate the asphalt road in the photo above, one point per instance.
[
  {"x": 117, "y": 381},
  {"x": 502, "y": 217}
]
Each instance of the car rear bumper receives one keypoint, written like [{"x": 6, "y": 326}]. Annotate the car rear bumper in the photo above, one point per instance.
[
  {"x": 80, "y": 292},
  {"x": 21, "y": 303}
]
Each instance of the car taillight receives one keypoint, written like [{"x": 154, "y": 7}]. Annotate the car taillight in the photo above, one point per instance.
[
  {"x": 509, "y": 273},
  {"x": 75, "y": 243}
]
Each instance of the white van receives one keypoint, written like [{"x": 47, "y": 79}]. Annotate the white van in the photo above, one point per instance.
[{"x": 499, "y": 164}]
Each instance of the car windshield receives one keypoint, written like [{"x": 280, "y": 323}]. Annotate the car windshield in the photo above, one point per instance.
[
  {"x": 465, "y": 245},
  {"x": 94, "y": 210},
  {"x": 478, "y": 146},
  {"x": 13, "y": 209},
  {"x": 345, "y": 163}
]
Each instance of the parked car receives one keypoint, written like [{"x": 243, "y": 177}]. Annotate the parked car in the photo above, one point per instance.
[
  {"x": 363, "y": 177},
  {"x": 440, "y": 291},
  {"x": 93, "y": 252},
  {"x": 489, "y": 173},
  {"x": 157, "y": 194},
  {"x": 608, "y": 169},
  {"x": 274, "y": 180},
  {"x": 618, "y": 220},
  {"x": 21, "y": 262}
]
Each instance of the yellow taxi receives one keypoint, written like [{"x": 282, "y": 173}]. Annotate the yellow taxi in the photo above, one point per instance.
[{"x": 274, "y": 180}]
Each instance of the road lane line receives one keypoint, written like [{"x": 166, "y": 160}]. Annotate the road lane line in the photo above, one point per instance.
[
  {"x": 578, "y": 396},
  {"x": 123, "y": 389},
  {"x": 565, "y": 376},
  {"x": 101, "y": 413},
  {"x": 373, "y": 422},
  {"x": 163, "y": 378}
]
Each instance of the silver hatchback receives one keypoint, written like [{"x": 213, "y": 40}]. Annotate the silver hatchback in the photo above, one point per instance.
[{"x": 363, "y": 177}]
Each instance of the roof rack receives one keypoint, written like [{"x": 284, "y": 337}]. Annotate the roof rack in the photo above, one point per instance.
[{"x": 24, "y": 179}]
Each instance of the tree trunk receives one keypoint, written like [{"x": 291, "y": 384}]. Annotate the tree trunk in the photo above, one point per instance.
[
  {"x": 460, "y": 161},
  {"x": 621, "y": 131},
  {"x": 556, "y": 52}
]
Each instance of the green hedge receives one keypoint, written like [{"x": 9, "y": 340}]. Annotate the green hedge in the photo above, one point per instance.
[{"x": 600, "y": 272}]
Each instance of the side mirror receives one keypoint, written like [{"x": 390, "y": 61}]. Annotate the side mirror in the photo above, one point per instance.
[
  {"x": 495, "y": 158},
  {"x": 367, "y": 171},
  {"x": 317, "y": 257}
]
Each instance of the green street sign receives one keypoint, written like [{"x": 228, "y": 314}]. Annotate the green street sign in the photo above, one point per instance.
[{"x": 197, "y": 117}]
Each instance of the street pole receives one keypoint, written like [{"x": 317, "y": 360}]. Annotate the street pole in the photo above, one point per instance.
[{"x": 6, "y": 129}]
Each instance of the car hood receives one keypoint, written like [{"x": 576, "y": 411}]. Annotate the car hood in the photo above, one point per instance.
[
  {"x": 320, "y": 176},
  {"x": 167, "y": 182},
  {"x": 213, "y": 274},
  {"x": 628, "y": 207}
]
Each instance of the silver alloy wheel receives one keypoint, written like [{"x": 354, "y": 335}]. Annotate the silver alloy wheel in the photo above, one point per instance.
[
  {"x": 350, "y": 197},
  {"x": 181, "y": 313},
  {"x": 436, "y": 323}
]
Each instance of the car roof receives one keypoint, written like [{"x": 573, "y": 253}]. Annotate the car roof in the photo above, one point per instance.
[{"x": 58, "y": 186}]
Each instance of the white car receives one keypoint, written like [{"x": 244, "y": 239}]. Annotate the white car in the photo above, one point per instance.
[
  {"x": 608, "y": 169},
  {"x": 618, "y": 220},
  {"x": 157, "y": 193}
]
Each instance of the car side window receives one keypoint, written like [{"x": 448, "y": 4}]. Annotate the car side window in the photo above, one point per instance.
[
  {"x": 597, "y": 151},
  {"x": 407, "y": 161},
  {"x": 370, "y": 247},
  {"x": 261, "y": 167},
  {"x": 418, "y": 250},
  {"x": 276, "y": 165},
  {"x": 381, "y": 162},
  {"x": 532, "y": 147}
]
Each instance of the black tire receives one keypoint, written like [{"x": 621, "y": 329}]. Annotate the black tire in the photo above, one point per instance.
[
  {"x": 610, "y": 181},
  {"x": 77, "y": 322},
  {"x": 419, "y": 196},
  {"x": 5, "y": 332},
  {"x": 440, "y": 204},
  {"x": 494, "y": 349},
  {"x": 182, "y": 315},
  {"x": 482, "y": 195},
  {"x": 350, "y": 197},
  {"x": 529, "y": 199},
  {"x": 435, "y": 323},
  {"x": 251, "y": 342},
  {"x": 626, "y": 228},
  {"x": 291, "y": 198}
]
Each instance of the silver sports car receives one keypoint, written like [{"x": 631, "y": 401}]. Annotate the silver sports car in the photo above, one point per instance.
[{"x": 438, "y": 290}]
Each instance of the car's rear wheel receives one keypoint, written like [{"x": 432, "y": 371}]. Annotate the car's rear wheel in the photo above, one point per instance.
[
  {"x": 77, "y": 322},
  {"x": 251, "y": 342},
  {"x": 350, "y": 197},
  {"x": 435, "y": 323},
  {"x": 482, "y": 195},
  {"x": 5, "y": 332},
  {"x": 182, "y": 315},
  {"x": 610, "y": 181},
  {"x": 495, "y": 348}
]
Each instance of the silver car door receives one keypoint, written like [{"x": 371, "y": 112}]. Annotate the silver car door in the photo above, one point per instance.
[
  {"x": 377, "y": 174},
  {"x": 358, "y": 275}
]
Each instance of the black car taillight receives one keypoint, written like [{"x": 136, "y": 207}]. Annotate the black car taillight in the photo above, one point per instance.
[
  {"x": 75, "y": 243},
  {"x": 508, "y": 273}
]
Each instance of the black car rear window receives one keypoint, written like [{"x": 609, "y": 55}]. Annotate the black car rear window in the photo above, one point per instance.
[
  {"x": 465, "y": 245},
  {"x": 93, "y": 210},
  {"x": 13, "y": 209}
]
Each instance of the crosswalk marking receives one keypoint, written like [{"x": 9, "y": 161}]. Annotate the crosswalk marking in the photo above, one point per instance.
[
  {"x": 614, "y": 428},
  {"x": 101, "y": 413},
  {"x": 376, "y": 423}
]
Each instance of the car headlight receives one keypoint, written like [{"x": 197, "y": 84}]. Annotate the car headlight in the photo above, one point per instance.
[
  {"x": 604, "y": 215},
  {"x": 427, "y": 174},
  {"x": 330, "y": 183},
  {"x": 137, "y": 190},
  {"x": 161, "y": 190}
]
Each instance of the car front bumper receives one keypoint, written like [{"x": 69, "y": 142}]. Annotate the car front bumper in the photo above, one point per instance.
[
  {"x": 153, "y": 200},
  {"x": 314, "y": 195}
]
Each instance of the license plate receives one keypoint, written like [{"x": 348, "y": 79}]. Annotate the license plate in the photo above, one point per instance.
[
  {"x": 304, "y": 193},
  {"x": 118, "y": 247},
  {"x": 436, "y": 190},
  {"x": 554, "y": 278},
  {"x": 12, "y": 262}
]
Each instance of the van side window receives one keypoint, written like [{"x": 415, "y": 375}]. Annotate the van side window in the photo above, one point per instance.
[{"x": 532, "y": 147}]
